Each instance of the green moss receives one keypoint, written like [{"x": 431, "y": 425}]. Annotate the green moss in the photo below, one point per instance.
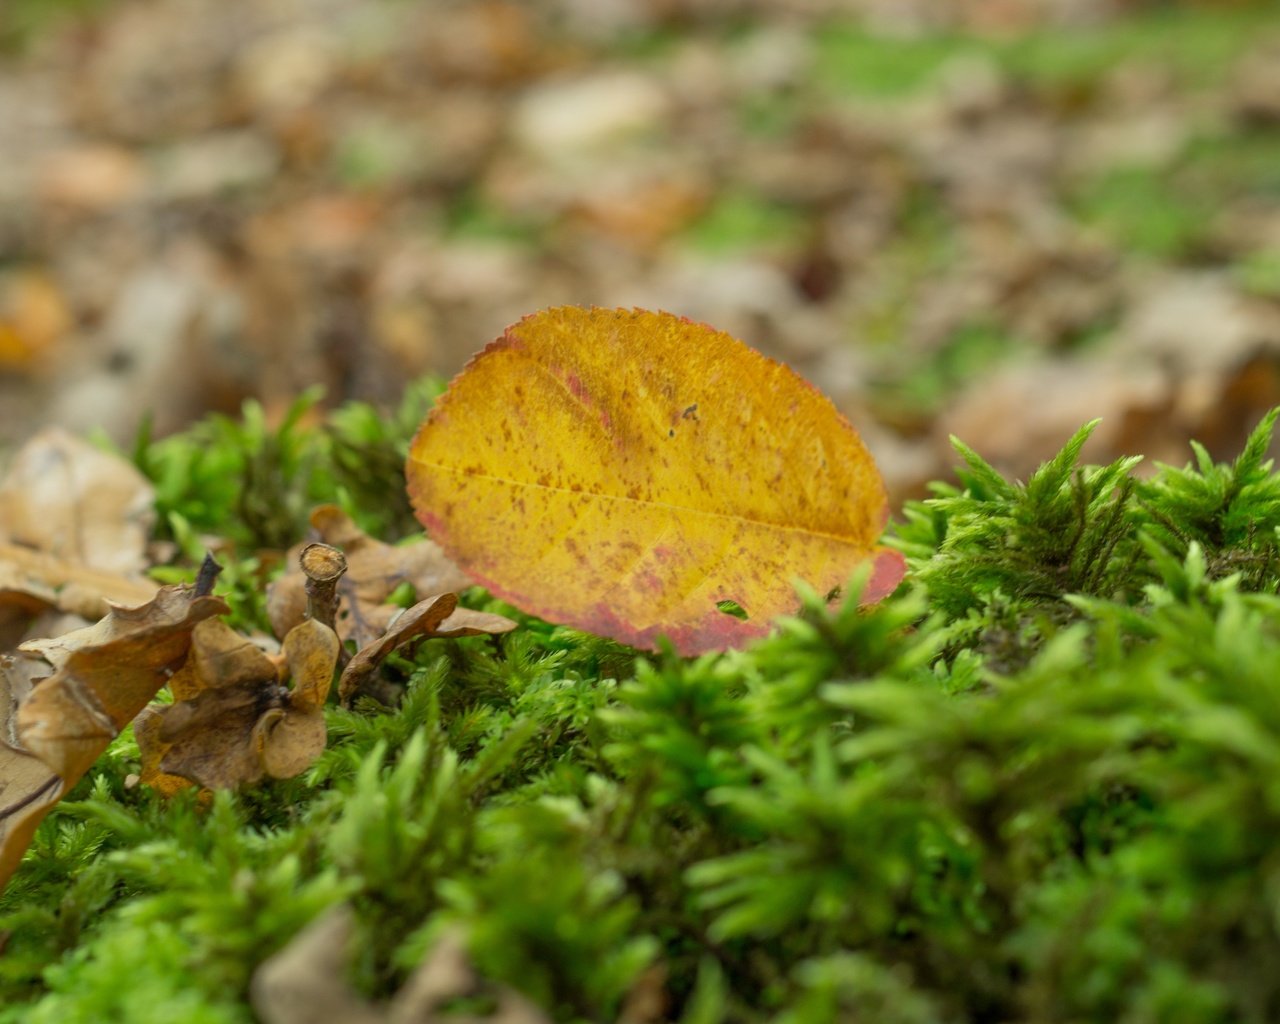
[
  {"x": 1033, "y": 785},
  {"x": 1197, "y": 43},
  {"x": 738, "y": 221}
]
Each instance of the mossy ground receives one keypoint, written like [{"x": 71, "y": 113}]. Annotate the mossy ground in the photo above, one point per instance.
[{"x": 1038, "y": 784}]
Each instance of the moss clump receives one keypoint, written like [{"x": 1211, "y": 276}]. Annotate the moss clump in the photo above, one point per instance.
[{"x": 1036, "y": 785}]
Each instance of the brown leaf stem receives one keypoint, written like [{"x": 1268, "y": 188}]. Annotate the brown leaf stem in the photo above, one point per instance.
[{"x": 323, "y": 566}]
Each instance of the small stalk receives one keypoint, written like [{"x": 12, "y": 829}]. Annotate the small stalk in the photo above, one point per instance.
[
  {"x": 207, "y": 576},
  {"x": 323, "y": 566}
]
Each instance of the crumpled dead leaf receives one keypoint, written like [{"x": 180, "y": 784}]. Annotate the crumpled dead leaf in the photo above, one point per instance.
[
  {"x": 103, "y": 675},
  {"x": 65, "y": 497},
  {"x": 32, "y": 582},
  {"x": 374, "y": 571},
  {"x": 233, "y": 721},
  {"x": 28, "y": 786},
  {"x": 74, "y": 523},
  {"x": 305, "y": 982},
  {"x": 437, "y": 616}
]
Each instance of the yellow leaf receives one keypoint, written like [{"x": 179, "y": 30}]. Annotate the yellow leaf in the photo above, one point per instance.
[{"x": 625, "y": 471}]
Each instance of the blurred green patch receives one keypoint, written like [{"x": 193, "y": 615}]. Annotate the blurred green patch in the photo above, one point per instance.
[
  {"x": 23, "y": 20},
  {"x": 1198, "y": 44},
  {"x": 1171, "y": 212},
  {"x": 1138, "y": 209},
  {"x": 1259, "y": 273},
  {"x": 471, "y": 216},
  {"x": 923, "y": 245},
  {"x": 922, "y": 386},
  {"x": 739, "y": 220},
  {"x": 770, "y": 115}
]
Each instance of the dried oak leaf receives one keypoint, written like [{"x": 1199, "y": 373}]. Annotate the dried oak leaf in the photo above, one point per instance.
[
  {"x": 626, "y": 472},
  {"x": 28, "y": 786},
  {"x": 305, "y": 982},
  {"x": 63, "y": 496},
  {"x": 437, "y": 616},
  {"x": 103, "y": 675},
  {"x": 74, "y": 523},
  {"x": 374, "y": 570},
  {"x": 233, "y": 721},
  {"x": 32, "y": 582}
]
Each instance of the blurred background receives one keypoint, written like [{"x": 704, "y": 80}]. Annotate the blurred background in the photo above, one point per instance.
[{"x": 993, "y": 218}]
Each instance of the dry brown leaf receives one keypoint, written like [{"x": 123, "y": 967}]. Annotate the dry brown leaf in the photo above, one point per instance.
[
  {"x": 219, "y": 657},
  {"x": 67, "y": 498},
  {"x": 437, "y": 616},
  {"x": 36, "y": 580},
  {"x": 421, "y": 620},
  {"x": 103, "y": 676},
  {"x": 28, "y": 786},
  {"x": 374, "y": 571},
  {"x": 19, "y": 607},
  {"x": 74, "y": 523},
  {"x": 106, "y": 674},
  {"x": 233, "y": 721},
  {"x": 305, "y": 982}
]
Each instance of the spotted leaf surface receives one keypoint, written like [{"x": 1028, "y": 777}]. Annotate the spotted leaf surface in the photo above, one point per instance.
[{"x": 625, "y": 472}]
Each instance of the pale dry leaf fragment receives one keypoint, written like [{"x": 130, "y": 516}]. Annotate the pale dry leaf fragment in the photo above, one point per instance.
[
  {"x": 447, "y": 974},
  {"x": 65, "y": 497},
  {"x": 74, "y": 522},
  {"x": 34, "y": 578},
  {"x": 306, "y": 982},
  {"x": 28, "y": 786},
  {"x": 374, "y": 570}
]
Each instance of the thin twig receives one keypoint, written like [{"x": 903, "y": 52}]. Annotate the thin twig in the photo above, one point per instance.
[{"x": 208, "y": 574}]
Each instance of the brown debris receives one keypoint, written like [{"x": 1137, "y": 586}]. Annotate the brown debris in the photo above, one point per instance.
[
  {"x": 437, "y": 616},
  {"x": 375, "y": 570},
  {"x": 28, "y": 786},
  {"x": 233, "y": 721},
  {"x": 102, "y": 676}
]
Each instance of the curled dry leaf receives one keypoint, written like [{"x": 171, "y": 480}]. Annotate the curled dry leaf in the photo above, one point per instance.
[
  {"x": 47, "y": 581},
  {"x": 233, "y": 721},
  {"x": 626, "y": 471},
  {"x": 28, "y": 786},
  {"x": 374, "y": 570},
  {"x": 73, "y": 528},
  {"x": 305, "y": 982},
  {"x": 103, "y": 675},
  {"x": 67, "y": 498},
  {"x": 437, "y": 616}
]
